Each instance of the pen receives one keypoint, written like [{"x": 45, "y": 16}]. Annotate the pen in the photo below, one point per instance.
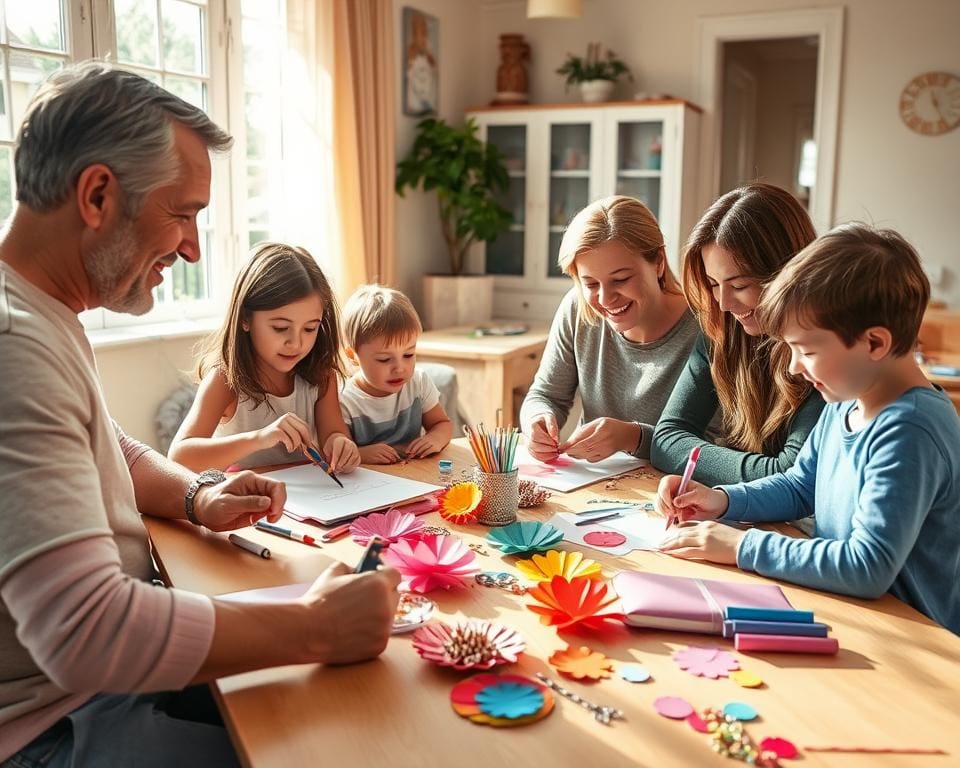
[
  {"x": 287, "y": 533},
  {"x": 251, "y": 546},
  {"x": 335, "y": 533},
  {"x": 685, "y": 480},
  {"x": 318, "y": 459},
  {"x": 600, "y": 519}
]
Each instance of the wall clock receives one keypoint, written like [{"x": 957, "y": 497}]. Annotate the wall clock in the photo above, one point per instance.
[{"x": 930, "y": 104}]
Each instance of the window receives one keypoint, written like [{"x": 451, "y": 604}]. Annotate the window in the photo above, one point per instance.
[{"x": 225, "y": 56}]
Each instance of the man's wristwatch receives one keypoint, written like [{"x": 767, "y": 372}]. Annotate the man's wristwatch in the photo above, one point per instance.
[{"x": 207, "y": 477}]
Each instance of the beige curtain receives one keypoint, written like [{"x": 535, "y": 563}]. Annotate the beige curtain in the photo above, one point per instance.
[{"x": 340, "y": 133}]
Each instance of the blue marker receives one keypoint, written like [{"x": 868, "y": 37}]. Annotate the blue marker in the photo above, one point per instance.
[
  {"x": 740, "y": 626},
  {"x": 768, "y": 614}
]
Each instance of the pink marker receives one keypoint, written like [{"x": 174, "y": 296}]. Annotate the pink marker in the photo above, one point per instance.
[{"x": 685, "y": 480}]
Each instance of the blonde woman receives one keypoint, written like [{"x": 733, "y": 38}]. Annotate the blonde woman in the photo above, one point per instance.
[
  {"x": 620, "y": 337},
  {"x": 740, "y": 244}
]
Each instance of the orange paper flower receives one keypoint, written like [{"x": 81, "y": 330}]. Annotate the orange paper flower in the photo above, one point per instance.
[
  {"x": 581, "y": 663},
  {"x": 578, "y": 602},
  {"x": 460, "y": 503}
]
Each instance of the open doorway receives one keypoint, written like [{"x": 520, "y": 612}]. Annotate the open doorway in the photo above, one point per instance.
[
  {"x": 767, "y": 114},
  {"x": 795, "y": 29}
]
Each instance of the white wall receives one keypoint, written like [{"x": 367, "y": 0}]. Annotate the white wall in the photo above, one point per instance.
[
  {"x": 138, "y": 377},
  {"x": 886, "y": 173},
  {"x": 420, "y": 245}
]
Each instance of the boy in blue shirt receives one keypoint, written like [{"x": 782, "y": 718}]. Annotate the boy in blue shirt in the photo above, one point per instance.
[{"x": 881, "y": 469}]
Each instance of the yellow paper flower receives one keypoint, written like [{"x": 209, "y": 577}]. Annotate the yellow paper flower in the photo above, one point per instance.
[
  {"x": 460, "y": 503},
  {"x": 556, "y": 563}
]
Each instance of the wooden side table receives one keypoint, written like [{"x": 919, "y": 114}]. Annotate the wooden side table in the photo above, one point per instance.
[
  {"x": 940, "y": 344},
  {"x": 489, "y": 368}
]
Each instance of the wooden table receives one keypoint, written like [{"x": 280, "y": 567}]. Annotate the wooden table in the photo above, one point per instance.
[
  {"x": 489, "y": 368},
  {"x": 895, "y": 681}
]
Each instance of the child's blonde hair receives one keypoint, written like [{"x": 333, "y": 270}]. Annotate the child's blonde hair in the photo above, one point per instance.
[
  {"x": 852, "y": 278},
  {"x": 375, "y": 311},
  {"x": 275, "y": 275},
  {"x": 614, "y": 219}
]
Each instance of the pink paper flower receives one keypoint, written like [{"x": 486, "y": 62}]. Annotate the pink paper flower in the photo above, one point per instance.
[
  {"x": 706, "y": 661},
  {"x": 392, "y": 525},
  {"x": 471, "y": 644},
  {"x": 432, "y": 562}
]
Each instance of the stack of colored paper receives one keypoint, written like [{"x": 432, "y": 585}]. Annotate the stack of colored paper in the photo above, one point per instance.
[{"x": 778, "y": 630}]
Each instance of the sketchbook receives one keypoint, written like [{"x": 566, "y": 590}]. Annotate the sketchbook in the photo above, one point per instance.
[
  {"x": 566, "y": 474},
  {"x": 313, "y": 495},
  {"x": 686, "y": 604},
  {"x": 640, "y": 531}
]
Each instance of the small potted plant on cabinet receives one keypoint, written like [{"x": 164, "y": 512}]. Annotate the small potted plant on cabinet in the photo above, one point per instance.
[
  {"x": 466, "y": 174},
  {"x": 596, "y": 73}
]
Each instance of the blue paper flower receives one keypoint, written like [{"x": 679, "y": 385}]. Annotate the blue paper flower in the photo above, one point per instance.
[
  {"x": 527, "y": 536},
  {"x": 510, "y": 700}
]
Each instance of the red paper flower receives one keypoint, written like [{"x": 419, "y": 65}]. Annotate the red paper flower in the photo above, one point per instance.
[
  {"x": 470, "y": 644},
  {"x": 578, "y": 602}
]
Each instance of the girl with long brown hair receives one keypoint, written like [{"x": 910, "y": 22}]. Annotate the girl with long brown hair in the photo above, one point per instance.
[
  {"x": 735, "y": 371},
  {"x": 268, "y": 388}
]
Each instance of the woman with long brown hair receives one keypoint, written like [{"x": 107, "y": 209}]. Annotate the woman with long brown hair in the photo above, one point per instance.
[{"x": 734, "y": 370}]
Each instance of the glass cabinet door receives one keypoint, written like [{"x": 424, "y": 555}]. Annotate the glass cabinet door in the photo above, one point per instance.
[
  {"x": 638, "y": 157},
  {"x": 570, "y": 164},
  {"x": 505, "y": 254}
]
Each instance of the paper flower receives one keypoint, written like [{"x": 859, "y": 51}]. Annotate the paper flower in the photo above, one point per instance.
[
  {"x": 470, "y": 644},
  {"x": 432, "y": 562},
  {"x": 392, "y": 525},
  {"x": 466, "y": 695},
  {"x": 556, "y": 563},
  {"x": 510, "y": 700},
  {"x": 578, "y": 602},
  {"x": 461, "y": 503},
  {"x": 706, "y": 662},
  {"x": 529, "y": 494},
  {"x": 529, "y": 536},
  {"x": 581, "y": 663}
]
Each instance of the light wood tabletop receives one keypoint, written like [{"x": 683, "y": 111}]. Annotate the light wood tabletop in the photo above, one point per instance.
[{"x": 895, "y": 682}]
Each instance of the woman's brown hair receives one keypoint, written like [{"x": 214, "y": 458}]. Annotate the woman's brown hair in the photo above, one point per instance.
[
  {"x": 275, "y": 275},
  {"x": 762, "y": 227}
]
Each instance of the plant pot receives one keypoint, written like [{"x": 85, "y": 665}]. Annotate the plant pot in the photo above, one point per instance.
[
  {"x": 596, "y": 90},
  {"x": 450, "y": 300}
]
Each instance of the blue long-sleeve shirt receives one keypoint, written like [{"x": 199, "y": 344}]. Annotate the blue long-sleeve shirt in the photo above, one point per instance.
[{"x": 887, "y": 503}]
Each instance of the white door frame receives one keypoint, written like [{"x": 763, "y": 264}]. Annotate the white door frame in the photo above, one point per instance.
[{"x": 824, "y": 23}]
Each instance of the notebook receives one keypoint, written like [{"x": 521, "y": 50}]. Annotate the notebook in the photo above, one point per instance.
[
  {"x": 566, "y": 474},
  {"x": 688, "y": 605},
  {"x": 313, "y": 495}
]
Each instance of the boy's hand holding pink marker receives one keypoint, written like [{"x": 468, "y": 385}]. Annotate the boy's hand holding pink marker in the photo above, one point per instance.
[{"x": 681, "y": 499}]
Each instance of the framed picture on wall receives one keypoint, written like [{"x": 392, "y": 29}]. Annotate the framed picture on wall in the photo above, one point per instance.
[{"x": 420, "y": 66}]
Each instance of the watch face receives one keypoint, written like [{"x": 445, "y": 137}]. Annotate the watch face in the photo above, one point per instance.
[{"x": 930, "y": 104}]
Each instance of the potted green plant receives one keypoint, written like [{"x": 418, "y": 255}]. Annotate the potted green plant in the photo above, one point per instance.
[
  {"x": 466, "y": 174},
  {"x": 596, "y": 73}
]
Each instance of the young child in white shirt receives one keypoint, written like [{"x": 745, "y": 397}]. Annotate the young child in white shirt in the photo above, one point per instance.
[{"x": 392, "y": 409}]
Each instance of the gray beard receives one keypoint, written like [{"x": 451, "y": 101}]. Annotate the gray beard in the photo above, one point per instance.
[{"x": 108, "y": 265}]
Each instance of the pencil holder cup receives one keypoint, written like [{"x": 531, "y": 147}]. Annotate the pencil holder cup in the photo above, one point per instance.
[{"x": 501, "y": 496}]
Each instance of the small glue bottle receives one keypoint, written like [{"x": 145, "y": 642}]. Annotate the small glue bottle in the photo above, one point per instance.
[{"x": 445, "y": 472}]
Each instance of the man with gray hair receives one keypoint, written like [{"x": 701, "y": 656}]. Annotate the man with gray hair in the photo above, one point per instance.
[{"x": 111, "y": 172}]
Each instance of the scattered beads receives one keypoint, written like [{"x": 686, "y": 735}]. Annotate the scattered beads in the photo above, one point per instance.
[
  {"x": 729, "y": 738},
  {"x": 500, "y": 580},
  {"x": 435, "y": 530}
]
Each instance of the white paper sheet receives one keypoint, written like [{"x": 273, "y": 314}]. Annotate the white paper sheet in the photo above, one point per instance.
[
  {"x": 643, "y": 531},
  {"x": 313, "y": 495},
  {"x": 568, "y": 474}
]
